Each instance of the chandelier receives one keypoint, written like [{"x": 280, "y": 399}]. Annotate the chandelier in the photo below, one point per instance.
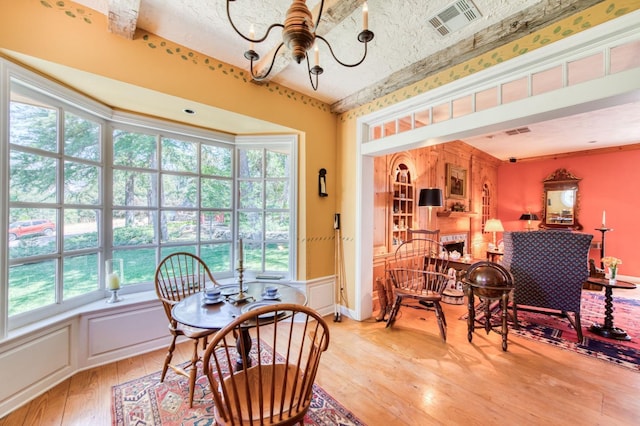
[{"x": 299, "y": 35}]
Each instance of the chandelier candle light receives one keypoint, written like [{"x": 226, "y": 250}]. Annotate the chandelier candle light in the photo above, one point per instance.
[{"x": 299, "y": 35}]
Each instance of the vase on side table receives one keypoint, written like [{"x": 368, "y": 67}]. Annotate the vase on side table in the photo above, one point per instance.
[{"x": 613, "y": 274}]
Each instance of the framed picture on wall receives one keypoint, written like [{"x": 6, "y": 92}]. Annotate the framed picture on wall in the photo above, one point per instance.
[{"x": 456, "y": 182}]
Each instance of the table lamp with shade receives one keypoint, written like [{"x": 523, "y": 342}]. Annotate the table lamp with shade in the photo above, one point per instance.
[
  {"x": 493, "y": 225},
  {"x": 430, "y": 197},
  {"x": 529, "y": 217}
]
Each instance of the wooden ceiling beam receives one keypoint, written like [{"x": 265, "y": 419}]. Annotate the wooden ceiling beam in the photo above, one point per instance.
[
  {"x": 513, "y": 28},
  {"x": 123, "y": 17}
]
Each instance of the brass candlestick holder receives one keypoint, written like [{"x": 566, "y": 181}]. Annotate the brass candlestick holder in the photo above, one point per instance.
[{"x": 241, "y": 296}]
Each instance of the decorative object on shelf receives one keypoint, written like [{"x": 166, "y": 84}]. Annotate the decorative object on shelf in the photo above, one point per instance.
[
  {"x": 612, "y": 267},
  {"x": 493, "y": 225},
  {"x": 299, "y": 35},
  {"x": 404, "y": 174},
  {"x": 529, "y": 217},
  {"x": 430, "y": 197},
  {"x": 322, "y": 183},
  {"x": 456, "y": 183},
  {"x": 457, "y": 207},
  {"x": 113, "y": 273}
]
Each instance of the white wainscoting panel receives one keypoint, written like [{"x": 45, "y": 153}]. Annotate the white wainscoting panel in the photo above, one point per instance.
[
  {"x": 32, "y": 364},
  {"x": 321, "y": 295},
  {"x": 122, "y": 333}
]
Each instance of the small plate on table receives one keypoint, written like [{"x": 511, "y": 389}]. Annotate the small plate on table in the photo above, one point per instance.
[
  {"x": 276, "y": 296},
  {"x": 255, "y": 305},
  {"x": 208, "y": 301},
  {"x": 231, "y": 289}
]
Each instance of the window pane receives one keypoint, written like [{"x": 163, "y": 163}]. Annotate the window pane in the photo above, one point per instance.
[
  {"x": 166, "y": 251},
  {"x": 216, "y": 193},
  {"x": 32, "y": 232},
  {"x": 80, "y": 275},
  {"x": 81, "y": 137},
  {"x": 217, "y": 257},
  {"x": 179, "y": 155},
  {"x": 133, "y": 228},
  {"x": 277, "y": 226},
  {"x": 81, "y": 183},
  {"x": 585, "y": 69},
  {"x": 250, "y": 163},
  {"x": 182, "y": 227},
  {"x": 134, "y": 149},
  {"x": 32, "y": 178},
  {"x": 33, "y": 126},
  {"x": 277, "y": 193},
  {"x": 215, "y": 226},
  {"x": 216, "y": 161},
  {"x": 179, "y": 191},
  {"x": 250, "y": 225},
  {"x": 250, "y": 195},
  {"x": 80, "y": 229},
  {"x": 139, "y": 264},
  {"x": 277, "y": 257},
  {"x": 31, "y": 286},
  {"x": 134, "y": 188},
  {"x": 277, "y": 164},
  {"x": 252, "y": 256}
]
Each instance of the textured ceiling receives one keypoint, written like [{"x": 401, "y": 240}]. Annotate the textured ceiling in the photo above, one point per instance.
[{"x": 404, "y": 42}]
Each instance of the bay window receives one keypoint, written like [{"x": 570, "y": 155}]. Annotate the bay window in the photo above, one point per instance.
[{"x": 86, "y": 186}]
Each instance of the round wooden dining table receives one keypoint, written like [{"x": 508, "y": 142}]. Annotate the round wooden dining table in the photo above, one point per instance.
[{"x": 194, "y": 311}]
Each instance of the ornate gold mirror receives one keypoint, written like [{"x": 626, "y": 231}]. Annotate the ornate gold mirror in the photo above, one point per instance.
[{"x": 561, "y": 200}]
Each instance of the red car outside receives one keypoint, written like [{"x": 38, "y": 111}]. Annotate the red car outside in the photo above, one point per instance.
[{"x": 22, "y": 228}]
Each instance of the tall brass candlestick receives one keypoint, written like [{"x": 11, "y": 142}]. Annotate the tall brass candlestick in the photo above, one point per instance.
[{"x": 241, "y": 296}]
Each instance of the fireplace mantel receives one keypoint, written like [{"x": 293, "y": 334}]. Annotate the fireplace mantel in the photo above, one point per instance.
[{"x": 449, "y": 213}]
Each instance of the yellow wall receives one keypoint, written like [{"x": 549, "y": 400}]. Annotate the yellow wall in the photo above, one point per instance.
[
  {"x": 68, "y": 34},
  {"x": 588, "y": 18}
]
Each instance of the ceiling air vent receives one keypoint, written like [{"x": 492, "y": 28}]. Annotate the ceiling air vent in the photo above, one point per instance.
[
  {"x": 454, "y": 17},
  {"x": 518, "y": 131}
]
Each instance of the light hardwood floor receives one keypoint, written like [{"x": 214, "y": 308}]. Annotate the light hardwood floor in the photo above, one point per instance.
[{"x": 406, "y": 376}]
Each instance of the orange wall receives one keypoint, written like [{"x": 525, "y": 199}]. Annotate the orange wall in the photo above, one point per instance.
[{"x": 610, "y": 181}]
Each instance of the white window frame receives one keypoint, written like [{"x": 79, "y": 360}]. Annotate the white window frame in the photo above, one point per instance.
[{"x": 109, "y": 119}]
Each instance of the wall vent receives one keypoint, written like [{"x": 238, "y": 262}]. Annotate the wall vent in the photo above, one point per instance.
[
  {"x": 517, "y": 131},
  {"x": 454, "y": 17}
]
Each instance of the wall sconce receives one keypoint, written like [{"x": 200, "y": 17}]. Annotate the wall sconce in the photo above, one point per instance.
[
  {"x": 322, "y": 183},
  {"x": 529, "y": 217}
]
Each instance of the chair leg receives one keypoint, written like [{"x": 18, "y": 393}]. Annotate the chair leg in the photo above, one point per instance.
[
  {"x": 394, "y": 311},
  {"x": 167, "y": 359},
  {"x": 193, "y": 373},
  {"x": 442, "y": 322}
]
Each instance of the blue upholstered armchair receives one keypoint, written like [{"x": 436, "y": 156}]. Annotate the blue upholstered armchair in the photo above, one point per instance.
[{"x": 548, "y": 268}]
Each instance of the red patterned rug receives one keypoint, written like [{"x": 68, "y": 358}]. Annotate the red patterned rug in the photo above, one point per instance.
[
  {"x": 147, "y": 402},
  {"x": 558, "y": 331}
]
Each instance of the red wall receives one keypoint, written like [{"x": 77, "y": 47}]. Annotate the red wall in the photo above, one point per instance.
[{"x": 610, "y": 181}]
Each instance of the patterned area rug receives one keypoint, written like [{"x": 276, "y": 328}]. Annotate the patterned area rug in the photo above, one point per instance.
[
  {"x": 147, "y": 402},
  {"x": 558, "y": 331}
]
